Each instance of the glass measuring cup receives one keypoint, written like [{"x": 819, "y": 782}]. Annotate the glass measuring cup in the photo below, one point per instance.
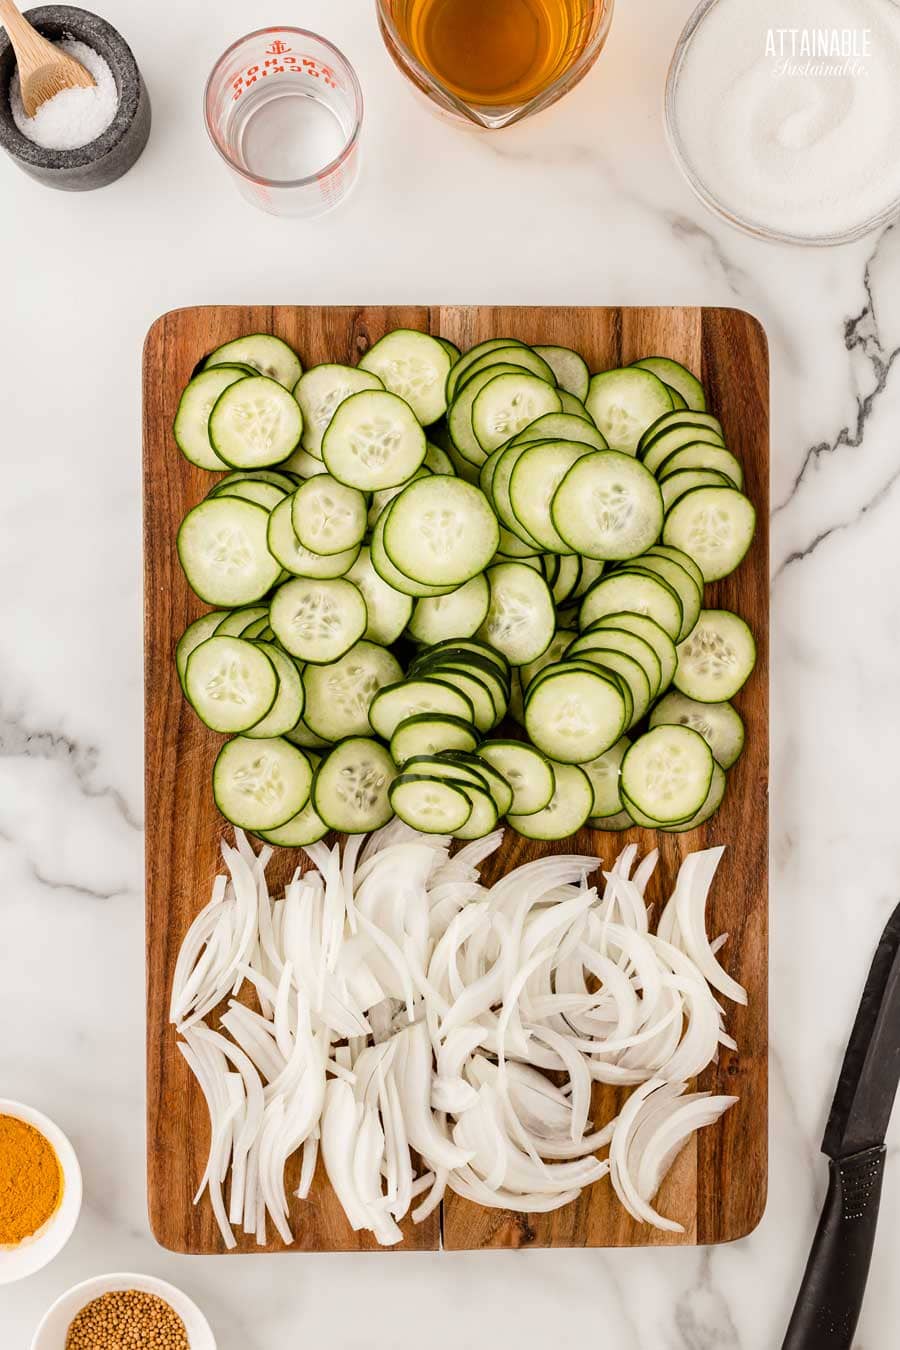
[
  {"x": 284, "y": 109},
  {"x": 494, "y": 62}
]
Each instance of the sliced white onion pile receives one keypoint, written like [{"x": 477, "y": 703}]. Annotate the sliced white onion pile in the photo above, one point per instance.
[{"x": 409, "y": 1017}]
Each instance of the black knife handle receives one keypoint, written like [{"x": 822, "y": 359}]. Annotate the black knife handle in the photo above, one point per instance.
[{"x": 831, "y": 1295}]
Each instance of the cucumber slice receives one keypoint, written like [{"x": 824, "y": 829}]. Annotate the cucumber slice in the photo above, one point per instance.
[
  {"x": 715, "y": 525},
  {"x": 373, "y": 441},
  {"x": 339, "y": 695},
  {"x": 264, "y": 494},
  {"x": 254, "y": 423},
  {"x": 459, "y": 647},
  {"x": 191, "y": 425},
  {"x": 441, "y": 532},
  {"x": 415, "y": 367},
  {"x": 680, "y": 418},
  {"x": 429, "y": 734},
  {"x": 287, "y": 709},
  {"x": 612, "y": 824},
  {"x": 351, "y": 789},
  {"x": 570, "y": 370},
  {"x": 307, "y": 827},
  {"x": 441, "y": 665},
  {"x": 574, "y": 715},
  {"x": 574, "y": 407},
  {"x": 500, "y": 479},
  {"x": 717, "y": 659},
  {"x": 388, "y": 610},
  {"x": 438, "y": 461},
  {"x": 381, "y": 500},
  {"x": 484, "y": 710},
  {"x": 536, "y": 474},
  {"x": 318, "y": 621},
  {"x": 592, "y": 570},
  {"x": 628, "y": 644},
  {"x": 193, "y": 635},
  {"x": 608, "y": 506},
  {"x": 552, "y": 654},
  {"x": 604, "y": 773},
  {"x": 595, "y": 668},
  {"x": 474, "y": 354},
  {"x": 450, "y": 348},
  {"x": 459, "y": 614},
  {"x": 679, "y": 377},
  {"x": 260, "y": 785},
  {"x": 484, "y": 815},
  {"x": 567, "y": 577},
  {"x": 681, "y": 581},
  {"x": 507, "y": 404},
  {"x": 450, "y": 770},
  {"x": 627, "y": 668},
  {"x": 320, "y": 392},
  {"x": 521, "y": 618},
  {"x": 565, "y": 813},
  {"x": 223, "y": 550},
  {"x": 498, "y": 786},
  {"x": 302, "y": 562},
  {"x": 459, "y": 417},
  {"x": 709, "y": 808},
  {"x": 523, "y": 358},
  {"x": 391, "y": 574},
  {"x": 526, "y": 770},
  {"x": 651, "y": 632},
  {"x": 700, "y": 456},
  {"x": 277, "y": 477},
  {"x": 306, "y": 739},
  {"x": 328, "y": 517},
  {"x": 678, "y": 400},
  {"x": 231, "y": 684},
  {"x": 675, "y": 485},
  {"x": 409, "y": 698},
  {"x": 561, "y": 426},
  {"x": 676, "y": 438},
  {"x": 719, "y": 724},
  {"x": 264, "y": 353},
  {"x": 303, "y": 465},
  {"x": 639, "y": 594},
  {"x": 666, "y": 774},
  {"x": 676, "y": 555},
  {"x": 624, "y": 403},
  {"x": 430, "y": 805}
]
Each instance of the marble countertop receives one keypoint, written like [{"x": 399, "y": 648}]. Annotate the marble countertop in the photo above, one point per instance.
[{"x": 583, "y": 205}]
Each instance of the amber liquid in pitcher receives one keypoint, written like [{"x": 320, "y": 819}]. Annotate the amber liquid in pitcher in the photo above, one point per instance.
[{"x": 496, "y": 53}]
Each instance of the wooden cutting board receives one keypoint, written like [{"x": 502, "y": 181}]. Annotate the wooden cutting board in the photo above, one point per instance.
[{"x": 718, "y": 1187}]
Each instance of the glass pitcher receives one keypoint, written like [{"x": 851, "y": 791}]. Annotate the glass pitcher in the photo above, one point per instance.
[{"x": 494, "y": 62}]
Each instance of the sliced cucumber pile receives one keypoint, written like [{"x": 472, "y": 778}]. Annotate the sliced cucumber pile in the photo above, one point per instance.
[{"x": 410, "y": 556}]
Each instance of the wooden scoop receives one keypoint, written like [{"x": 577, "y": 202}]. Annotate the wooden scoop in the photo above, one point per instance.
[{"x": 43, "y": 69}]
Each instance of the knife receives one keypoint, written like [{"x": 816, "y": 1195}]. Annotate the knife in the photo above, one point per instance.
[{"x": 831, "y": 1295}]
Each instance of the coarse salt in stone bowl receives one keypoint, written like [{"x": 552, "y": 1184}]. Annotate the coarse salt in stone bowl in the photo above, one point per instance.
[{"x": 116, "y": 149}]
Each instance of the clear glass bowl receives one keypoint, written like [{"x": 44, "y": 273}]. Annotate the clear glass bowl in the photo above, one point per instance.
[
  {"x": 592, "y": 26},
  {"x": 704, "y": 190}
]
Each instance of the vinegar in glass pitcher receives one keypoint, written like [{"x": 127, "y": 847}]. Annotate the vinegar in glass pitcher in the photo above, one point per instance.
[{"x": 497, "y": 53}]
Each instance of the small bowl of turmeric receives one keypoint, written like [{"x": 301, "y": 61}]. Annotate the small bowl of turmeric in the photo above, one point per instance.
[{"x": 40, "y": 1190}]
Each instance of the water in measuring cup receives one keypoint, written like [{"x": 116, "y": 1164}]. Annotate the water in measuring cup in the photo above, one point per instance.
[{"x": 282, "y": 133}]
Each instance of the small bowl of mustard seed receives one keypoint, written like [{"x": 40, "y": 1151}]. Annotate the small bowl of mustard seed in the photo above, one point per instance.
[
  {"x": 111, "y": 1312},
  {"x": 40, "y": 1190}
]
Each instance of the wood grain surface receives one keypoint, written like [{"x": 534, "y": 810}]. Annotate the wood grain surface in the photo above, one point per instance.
[{"x": 718, "y": 1187}]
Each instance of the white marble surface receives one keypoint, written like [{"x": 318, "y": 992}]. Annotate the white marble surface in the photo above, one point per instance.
[{"x": 582, "y": 205}]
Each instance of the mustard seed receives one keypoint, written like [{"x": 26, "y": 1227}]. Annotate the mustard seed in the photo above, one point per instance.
[{"x": 127, "y": 1319}]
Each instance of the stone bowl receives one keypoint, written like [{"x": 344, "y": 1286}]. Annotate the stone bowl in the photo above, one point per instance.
[{"x": 112, "y": 154}]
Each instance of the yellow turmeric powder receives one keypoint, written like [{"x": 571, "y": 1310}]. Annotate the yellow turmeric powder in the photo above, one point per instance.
[{"x": 31, "y": 1182}]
